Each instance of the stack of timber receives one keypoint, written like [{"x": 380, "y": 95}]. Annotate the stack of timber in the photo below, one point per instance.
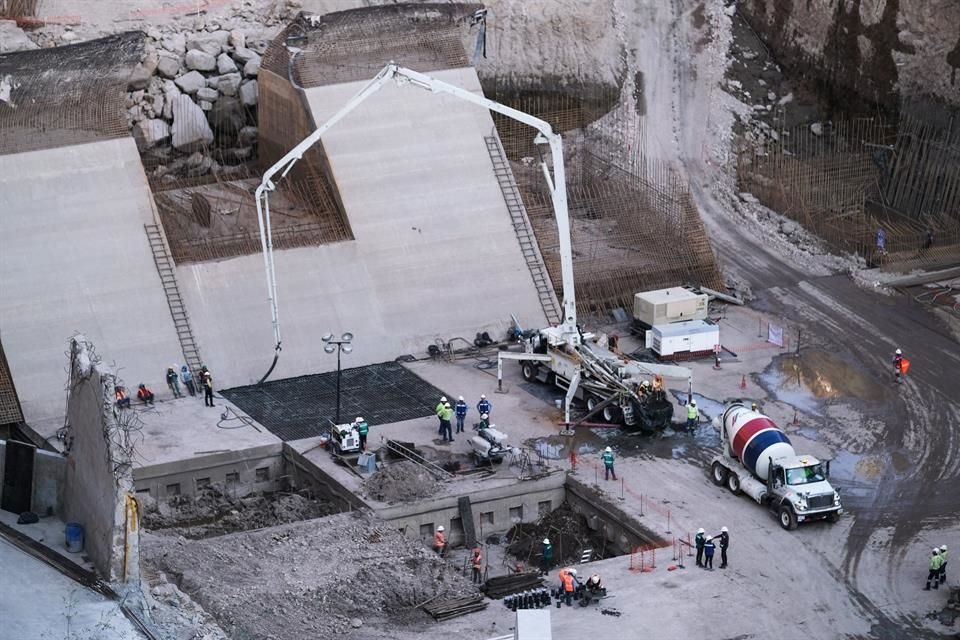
[
  {"x": 455, "y": 607},
  {"x": 501, "y": 586}
]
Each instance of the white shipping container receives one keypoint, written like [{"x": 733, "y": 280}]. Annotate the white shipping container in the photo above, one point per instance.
[
  {"x": 691, "y": 336},
  {"x": 676, "y": 304}
]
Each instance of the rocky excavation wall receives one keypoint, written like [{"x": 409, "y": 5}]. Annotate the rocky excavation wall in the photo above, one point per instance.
[{"x": 880, "y": 50}]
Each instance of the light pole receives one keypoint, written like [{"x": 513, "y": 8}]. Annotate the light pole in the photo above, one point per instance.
[{"x": 343, "y": 345}]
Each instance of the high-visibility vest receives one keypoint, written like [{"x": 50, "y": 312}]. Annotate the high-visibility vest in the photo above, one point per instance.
[
  {"x": 936, "y": 562},
  {"x": 362, "y": 428},
  {"x": 439, "y": 540},
  {"x": 692, "y": 412},
  {"x": 120, "y": 394},
  {"x": 607, "y": 459},
  {"x": 567, "y": 578},
  {"x": 477, "y": 559}
]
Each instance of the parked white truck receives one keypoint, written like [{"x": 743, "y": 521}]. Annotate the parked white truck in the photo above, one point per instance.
[{"x": 758, "y": 460}]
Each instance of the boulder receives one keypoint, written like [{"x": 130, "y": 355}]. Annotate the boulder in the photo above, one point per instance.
[
  {"x": 191, "y": 82},
  {"x": 252, "y": 68},
  {"x": 174, "y": 43},
  {"x": 249, "y": 93},
  {"x": 238, "y": 39},
  {"x": 225, "y": 64},
  {"x": 200, "y": 60},
  {"x": 168, "y": 67},
  {"x": 208, "y": 94},
  {"x": 209, "y": 42},
  {"x": 142, "y": 73},
  {"x": 150, "y": 133},
  {"x": 244, "y": 55},
  {"x": 206, "y": 105},
  {"x": 190, "y": 130},
  {"x": 248, "y": 136},
  {"x": 229, "y": 84},
  {"x": 227, "y": 116}
]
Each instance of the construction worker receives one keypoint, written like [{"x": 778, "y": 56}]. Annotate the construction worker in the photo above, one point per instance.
[
  {"x": 144, "y": 395},
  {"x": 207, "y": 389},
  {"x": 173, "y": 381},
  {"x": 607, "y": 458},
  {"x": 476, "y": 561},
  {"x": 897, "y": 365},
  {"x": 362, "y": 429},
  {"x": 594, "y": 584},
  {"x": 484, "y": 421},
  {"x": 484, "y": 406},
  {"x": 708, "y": 548},
  {"x": 546, "y": 556},
  {"x": 439, "y": 410},
  {"x": 568, "y": 581},
  {"x": 724, "y": 543},
  {"x": 657, "y": 383},
  {"x": 699, "y": 541},
  {"x": 187, "y": 378},
  {"x": 693, "y": 415},
  {"x": 936, "y": 563},
  {"x": 943, "y": 565},
  {"x": 445, "y": 414},
  {"x": 461, "y": 410},
  {"x": 123, "y": 401},
  {"x": 644, "y": 388},
  {"x": 754, "y": 407},
  {"x": 440, "y": 541}
]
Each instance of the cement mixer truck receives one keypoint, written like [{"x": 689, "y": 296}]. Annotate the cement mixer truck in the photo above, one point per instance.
[{"x": 758, "y": 460}]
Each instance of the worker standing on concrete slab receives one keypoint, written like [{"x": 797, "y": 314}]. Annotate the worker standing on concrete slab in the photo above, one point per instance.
[
  {"x": 362, "y": 429},
  {"x": 445, "y": 414},
  {"x": 476, "y": 561},
  {"x": 693, "y": 415},
  {"x": 439, "y": 411},
  {"x": 568, "y": 580},
  {"x": 699, "y": 541},
  {"x": 900, "y": 365},
  {"x": 173, "y": 381},
  {"x": 936, "y": 563},
  {"x": 724, "y": 543},
  {"x": 207, "y": 389},
  {"x": 187, "y": 378},
  {"x": 145, "y": 395},
  {"x": 943, "y": 564},
  {"x": 708, "y": 548},
  {"x": 461, "y": 411},
  {"x": 546, "y": 556},
  {"x": 607, "y": 458},
  {"x": 440, "y": 541},
  {"x": 123, "y": 400},
  {"x": 484, "y": 406}
]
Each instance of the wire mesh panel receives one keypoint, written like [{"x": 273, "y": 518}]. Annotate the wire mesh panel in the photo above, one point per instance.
[{"x": 9, "y": 405}]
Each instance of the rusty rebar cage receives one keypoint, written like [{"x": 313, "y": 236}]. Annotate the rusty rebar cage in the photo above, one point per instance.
[{"x": 67, "y": 95}]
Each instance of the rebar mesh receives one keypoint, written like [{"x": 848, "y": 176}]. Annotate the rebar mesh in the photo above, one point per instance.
[
  {"x": 18, "y": 8},
  {"x": 67, "y": 95}
]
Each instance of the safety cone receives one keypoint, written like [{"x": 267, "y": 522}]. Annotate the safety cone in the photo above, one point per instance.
[{"x": 743, "y": 382}]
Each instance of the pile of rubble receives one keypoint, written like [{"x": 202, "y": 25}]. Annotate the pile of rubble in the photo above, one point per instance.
[
  {"x": 353, "y": 575},
  {"x": 402, "y": 481},
  {"x": 567, "y": 531},
  {"x": 214, "y": 512}
]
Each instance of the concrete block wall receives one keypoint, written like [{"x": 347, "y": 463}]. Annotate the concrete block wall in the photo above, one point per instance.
[
  {"x": 98, "y": 475},
  {"x": 49, "y": 470},
  {"x": 246, "y": 471}
]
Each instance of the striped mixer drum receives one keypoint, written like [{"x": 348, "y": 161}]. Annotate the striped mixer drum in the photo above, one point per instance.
[{"x": 755, "y": 439}]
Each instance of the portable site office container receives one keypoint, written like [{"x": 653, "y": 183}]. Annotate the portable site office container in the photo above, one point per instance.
[
  {"x": 691, "y": 336},
  {"x": 664, "y": 306}
]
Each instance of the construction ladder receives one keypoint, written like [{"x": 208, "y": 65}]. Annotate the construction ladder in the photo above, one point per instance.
[
  {"x": 523, "y": 229},
  {"x": 168, "y": 278}
]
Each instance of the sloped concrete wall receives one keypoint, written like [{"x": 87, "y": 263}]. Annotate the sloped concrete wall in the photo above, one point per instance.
[
  {"x": 74, "y": 257},
  {"x": 435, "y": 254}
]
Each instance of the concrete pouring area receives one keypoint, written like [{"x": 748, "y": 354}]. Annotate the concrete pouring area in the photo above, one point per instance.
[{"x": 810, "y": 191}]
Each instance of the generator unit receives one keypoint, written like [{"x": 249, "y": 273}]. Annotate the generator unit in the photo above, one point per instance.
[{"x": 664, "y": 306}]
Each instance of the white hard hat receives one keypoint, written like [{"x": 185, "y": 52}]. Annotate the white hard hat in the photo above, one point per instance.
[
  {"x": 936, "y": 550},
  {"x": 482, "y": 396},
  {"x": 723, "y": 530},
  {"x": 484, "y": 416},
  {"x": 693, "y": 402},
  {"x": 700, "y": 530},
  {"x": 359, "y": 419},
  {"x": 573, "y": 572},
  {"x": 440, "y": 528},
  {"x": 446, "y": 404},
  {"x": 898, "y": 352},
  {"x": 943, "y": 547},
  {"x": 608, "y": 450},
  {"x": 443, "y": 398},
  {"x": 461, "y": 397},
  {"x": 546, "y": 541}
]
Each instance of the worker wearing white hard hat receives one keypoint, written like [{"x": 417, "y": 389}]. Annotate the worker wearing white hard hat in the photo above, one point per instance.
[
  {"x": 440, "y": 541},
  {"x": 724, "y": 543},
  {"x": 936, "y": 563},
  {"x": 439, "y": 411},
  {"x": 568, "y": 583},
  {"x": 899, "y": 365},
  {"x": 460, "y": 410},
  {"x": 607, "y": 458},
  {"x": 693, "y": 415},
  {"x": 362, "y": 430},
  {"x": 700, "y": 540},
  {"x": 546, "y": 556},
  {"x": 484, "y": 406},
  {"x": 943, "y": 564},
  {"x": 484, "y": 421}
]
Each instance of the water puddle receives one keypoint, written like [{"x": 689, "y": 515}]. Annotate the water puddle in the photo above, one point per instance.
[{"x": 815, "y": 377}]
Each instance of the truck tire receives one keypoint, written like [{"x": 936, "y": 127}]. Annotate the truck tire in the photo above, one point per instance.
[
  {"x": 719, "y": 474},
  {"x": 611, "y": 413},
  {"x": 592, "y": 402},
  {"x": 788, "y": 519},
  {"x": 529, "y": 371},
  {"x": 833, "y": 517},
  {"x": 733, "y": 483}
]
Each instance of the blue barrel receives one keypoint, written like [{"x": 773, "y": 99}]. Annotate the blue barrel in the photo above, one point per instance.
[{"x": 74, "y": 533}]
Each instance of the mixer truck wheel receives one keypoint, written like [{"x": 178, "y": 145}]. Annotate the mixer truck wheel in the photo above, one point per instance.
[
  {"x": 788, "y": 519},
  {"x": 529, "y": 371},
  {"x": 610, "y": 413},
  {"x": 591, "y": 403},
  {"x": 833, "y": 517},
  {"x": 733, "y": 483},
  {"x": 719, "y": 473}
]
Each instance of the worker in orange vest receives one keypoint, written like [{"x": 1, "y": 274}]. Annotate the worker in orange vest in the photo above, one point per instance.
[
  {"x": 568, "y": 579},
  {"x": 476, "y": 560},
  {"x": 123, "y": 400},
  {"x": 440, "y": 541}
]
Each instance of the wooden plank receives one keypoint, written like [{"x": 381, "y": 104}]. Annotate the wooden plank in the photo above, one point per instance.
[{"x": 466, "y": 517}]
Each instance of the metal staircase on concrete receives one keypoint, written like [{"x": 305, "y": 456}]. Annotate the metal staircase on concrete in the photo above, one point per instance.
[
  {"x": 168, "y": 277},
  {"x": 523, "y": 229}
]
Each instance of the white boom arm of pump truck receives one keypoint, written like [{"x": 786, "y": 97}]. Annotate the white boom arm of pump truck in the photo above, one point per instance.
[{"x": 403, "y": 76}]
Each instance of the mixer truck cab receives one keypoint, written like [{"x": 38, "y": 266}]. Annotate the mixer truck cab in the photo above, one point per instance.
[{"x": 758, "y": 460}]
